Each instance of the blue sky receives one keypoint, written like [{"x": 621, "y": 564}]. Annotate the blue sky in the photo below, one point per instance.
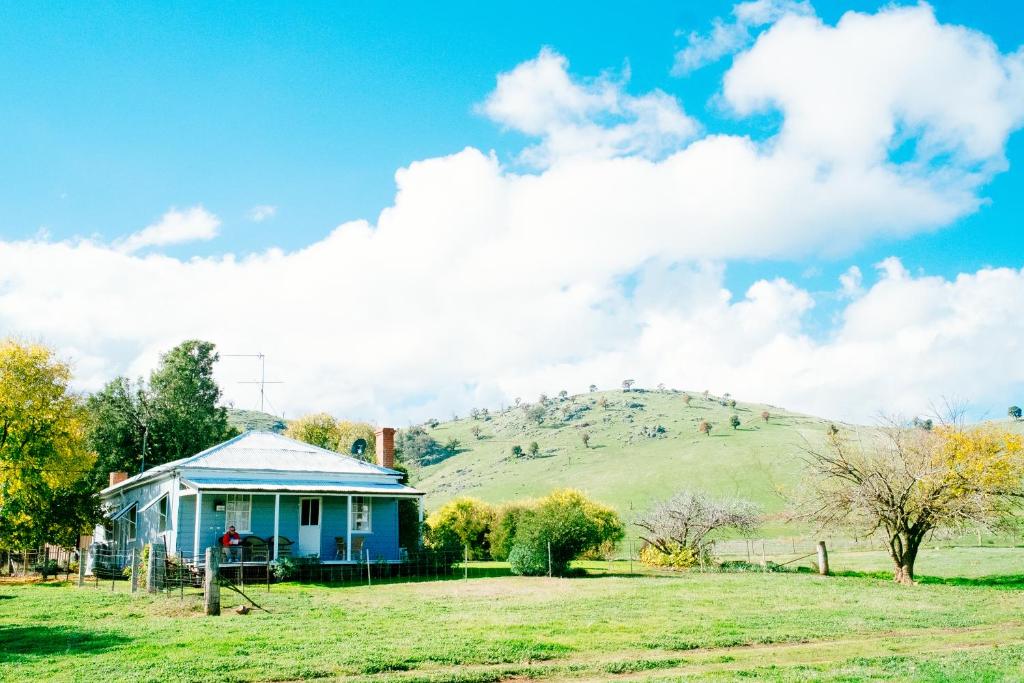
[{"x": 115, "y": 113}]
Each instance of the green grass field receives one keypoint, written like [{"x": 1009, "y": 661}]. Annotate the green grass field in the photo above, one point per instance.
[{"x": 963, "y": 622}]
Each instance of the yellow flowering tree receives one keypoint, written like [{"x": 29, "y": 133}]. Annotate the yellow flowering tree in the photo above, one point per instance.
[
  {"x": 44, "y": 457},
  {"x": 906, "y": 482}
]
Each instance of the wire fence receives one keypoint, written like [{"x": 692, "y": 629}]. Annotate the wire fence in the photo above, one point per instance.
[{"x": 50, "y": 560}]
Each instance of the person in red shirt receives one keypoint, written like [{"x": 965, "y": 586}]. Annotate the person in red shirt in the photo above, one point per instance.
[{"x": 231, "y": 540}]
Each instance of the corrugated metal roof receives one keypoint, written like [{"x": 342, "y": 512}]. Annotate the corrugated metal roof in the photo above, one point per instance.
[
  {"x": 298, "y": 485},
  {"x": 264, "y": 451}
]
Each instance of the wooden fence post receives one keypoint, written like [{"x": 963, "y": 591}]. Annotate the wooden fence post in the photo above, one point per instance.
[
  {"x": 135, "y": 571},
  {"x": 152, "y": 580},
  {"x": 211, "y": 589},
  {"x": 822, "y": 559}
]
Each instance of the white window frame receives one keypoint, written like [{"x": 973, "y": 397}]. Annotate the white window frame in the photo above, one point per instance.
[
  {"x": 238, "y": 512},
  {"x": 163, "y": 513},
  {"x": 359, "y": 517}
]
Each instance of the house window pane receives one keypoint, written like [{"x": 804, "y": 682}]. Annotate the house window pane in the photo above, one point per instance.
[
  {"x": 238, "y": 512},
  {"x": 310, "y": 512},
  {"x": 360, "y": 513},
  {"x": 162, "y": 512},
  {"x": 132, "y": 519}
]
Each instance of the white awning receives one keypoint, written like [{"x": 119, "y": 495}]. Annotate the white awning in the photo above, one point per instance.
[{"x": 291, "y": 486}]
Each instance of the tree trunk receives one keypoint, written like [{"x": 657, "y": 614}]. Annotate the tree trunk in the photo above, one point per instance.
[{"x": 903, "y": 549}]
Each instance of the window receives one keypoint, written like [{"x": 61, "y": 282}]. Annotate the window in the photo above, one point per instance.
[
  {"x": 132, "y": 518},
  {"x": 161, "y": 508},
  {"x": 310, "y": 512},
  {"x": 238, "y": 512},
  {"x": 360, "y": 513}
]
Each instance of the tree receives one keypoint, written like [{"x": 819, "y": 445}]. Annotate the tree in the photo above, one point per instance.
[
  {"x": 44, "y": 451},
  {"x": 686, "y": 399},
  {"x": 732, "y": 403},
  {"x": 661, "y": 387},
  {"x": 317, "y": 429},
  {"x": 185, "y": 417},
  {"x": 536, "y": 413},
  {"x": 517, "y": 451},
  {"x": 117, "y": 421},
  {"x": 350, "y": 432},
  {"x": 1014, "y": 412},
  {"x": 907, "y": 482},
  {"x": 503, "y": 529},
  {"x": 734, "y": 421},
  {"x": 476, "y": 432},
  {"x": 765, "y": 415},
  {"x": 564, "y": 525},
  {"x": 704, "y": 427},
  {"x": 461, "y": 523},
  {"x": 585, "y": 438},
  {"x": 409, "y": 531},
  {"x": 563, "y": 394},
  {"x": 414, "y": 446},
  {"x": 679, "y": 530},
  {"x": 627, "y": 384},
  {"x": 593, "y": 388},
  {"x": 533, "y": 449}
]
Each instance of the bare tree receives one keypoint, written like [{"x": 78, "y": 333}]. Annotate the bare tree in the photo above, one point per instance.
[
  {"x": 905, "y": 483},
  {"x": 627, "y": 384},
  {"x": 704, "y": 427},
  {"x": 687, "y": 519},
  {"x": 585, "y": 438}
]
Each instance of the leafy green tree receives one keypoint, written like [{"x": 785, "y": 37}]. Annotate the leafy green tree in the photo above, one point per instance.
[
  {"x": 563, "y": 394},
  {"x": 414, "y": 446},
  {"x": 461, "y": 523},
  {"x": 44, "y": 453},
  {"x": 533, "y": 449},
  {"x": 585, "y": 438},
  {"x": 503, "y": 530},
  {"x": 593, "y": 388},
  {"x": 517, "y": 451},
  {"x": 568, "y": 523},
  {"x": 118, "y": 416},
  {"x": 734, "y": 421},
  {"x": 409, "y": 531},
  {"x": 350, "y": 432},
  {"x": 704, "y": 427},
  {"x": 536, "y": 413},
  {"x": 317, "y": 429},
  {"x": 1014, "y": 412}
]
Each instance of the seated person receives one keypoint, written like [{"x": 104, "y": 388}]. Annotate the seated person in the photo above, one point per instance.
[{"x": 231, "y": 542}]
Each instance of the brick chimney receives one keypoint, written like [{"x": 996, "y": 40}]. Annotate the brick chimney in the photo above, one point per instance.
[
  {"x": 117, "y": 477},
  {"x": 386, "y": 447}
]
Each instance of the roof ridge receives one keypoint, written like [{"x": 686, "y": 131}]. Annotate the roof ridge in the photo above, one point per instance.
[{"x": 325, "y": 451}]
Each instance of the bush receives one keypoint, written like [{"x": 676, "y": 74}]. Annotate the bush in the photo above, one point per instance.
[
  {"x": 528, "y": 559},
  {"x": 284, "y": 568},
  {"x": 503, "y": 531},
  {"x": 461, "y": 523},
  {"x": 678, "y": 557},
  {"x": 572, "y": 525}
]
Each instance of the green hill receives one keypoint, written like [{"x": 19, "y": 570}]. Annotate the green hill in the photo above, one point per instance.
[
  {"x": 644, "y": 446},
  {"x": 254, "y": 419}
]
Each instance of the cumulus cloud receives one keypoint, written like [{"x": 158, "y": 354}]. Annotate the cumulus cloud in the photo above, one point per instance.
[
  {"x": 482, "y": 282},
  {"x": 596, "y": 118},
  {"x": 262, "y": 212},
  {"x": 174, "y": 227},
  {"x": 729, "y": 37}
]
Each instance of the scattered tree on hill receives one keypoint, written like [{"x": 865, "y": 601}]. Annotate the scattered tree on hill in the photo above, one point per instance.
[
  {"x": 563, "y": 394},
  {"x": 476, "y": 432},
  {"x": 517, "y": 451},
  {"x": 585, "y": 438},
  {"x": 734, "y": 421},
  {"x": 44, "y": 451},
  {"x": 593, "y": 388},
  {"x": 562, "y": 526},
  {"x": 765, "y": 415},
  {"x": 432, "y": 423},
  {"x": 542, "y": 399},
  {"x": 536, "y": 413},
  {"x": 704, "y": 427},
  {"x": 1014, "y": 412},
  {"x": 409, "y": 527},
  {"x": 686, "y": 399},
  {"x": 925, "y": 424},
  {"x": 907, "y": 483},
  {"x": 533, "y": 449},
  {"x": 176, "y": 414},
  {"x": 518, "y": 401},
  {"x": 462, "y": 523},
  {"x": 627, "y": 384},
  {"x": 603, "y": 402},
  {"x": 661, "y": 387},
  {"x": 706, "y": 394},
  {"x": 453, "y": 446},
  {"x": 678, "y": 532},
  {"x": 732, "y": 403},
  {"x": 414, "y": 446}
]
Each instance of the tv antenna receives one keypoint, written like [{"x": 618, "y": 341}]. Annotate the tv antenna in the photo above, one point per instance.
[{"x": 262, "y": 381}]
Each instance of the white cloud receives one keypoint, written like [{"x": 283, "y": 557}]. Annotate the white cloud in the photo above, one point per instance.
[
  {"x": 729, "y": 37},
  {"x": 850, "y": 283},
  {"x": 174, "y": 227},
  {"x": 593, "y": 119},
  {"x": 262, "y": 212},
  {"x": 481, "y": 283}
]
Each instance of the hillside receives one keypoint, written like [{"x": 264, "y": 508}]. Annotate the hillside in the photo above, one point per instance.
[
  {"x": 629, "y": 462},
  {"x": 254, "y": 419}
]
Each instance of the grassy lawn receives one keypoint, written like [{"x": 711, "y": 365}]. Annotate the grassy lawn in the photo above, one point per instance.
[{"x": 791, "y": 626}]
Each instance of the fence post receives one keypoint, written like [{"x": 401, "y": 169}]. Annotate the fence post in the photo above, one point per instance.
[
  {"x": 83, "y": 556},
  {"x": 764, "y": 560},
  {"x": 211, "y": 589},
  {"x": 152, "y": 580},
  {"x": 135, "y": 571},
  {"x": 369, "y": 581},
  {"x": 822, "y": 559}
]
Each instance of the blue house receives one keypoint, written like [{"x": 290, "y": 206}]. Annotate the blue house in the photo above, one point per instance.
[{"x": 284, "y": 497}]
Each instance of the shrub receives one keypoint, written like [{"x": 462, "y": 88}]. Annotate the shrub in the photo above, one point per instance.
[
  {"x": 533, "y": 449},
  {"x": 461, "y": 523},
  {"x": 517, "y": 451},
  {"x": 503, "y": 530},
  {"x": 568, "y": 521},
  {"x": 678, "y": 556},
  {"x": 284, "y": 568},
  {"x": 527, "y": 559}
]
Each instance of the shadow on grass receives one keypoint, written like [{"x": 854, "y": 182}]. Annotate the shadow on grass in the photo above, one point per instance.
[
  {"x": 20, "y": 642},
  {"x": 1003, "y": 581}
]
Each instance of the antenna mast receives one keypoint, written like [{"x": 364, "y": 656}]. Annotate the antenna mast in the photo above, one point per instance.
[{"x": 262, "y": 381}]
